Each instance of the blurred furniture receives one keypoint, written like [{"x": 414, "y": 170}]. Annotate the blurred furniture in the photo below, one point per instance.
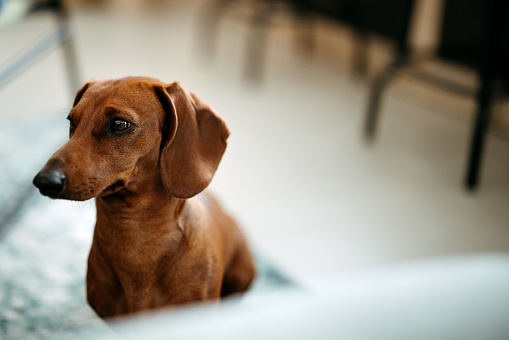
[
  {"x": 386, "y": 18},
  {"x": 475, "y": 34},
  {"x": 258, "y": 19},
  {"x": 60, "y": 35}
]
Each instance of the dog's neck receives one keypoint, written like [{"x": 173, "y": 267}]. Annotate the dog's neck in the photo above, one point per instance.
[
  {"x": 138, "y": 207},
  {"x": 137, "y": 225},
  {"x": 135, "y": 205}
]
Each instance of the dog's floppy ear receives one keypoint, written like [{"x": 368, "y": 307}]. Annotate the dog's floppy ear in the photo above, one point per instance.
[
  {"x": 193, "y": 143},
  {"x": 81, "y": 91}
]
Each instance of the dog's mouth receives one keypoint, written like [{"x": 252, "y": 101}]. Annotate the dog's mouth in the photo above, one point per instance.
[{"x": 114, "y": 188}]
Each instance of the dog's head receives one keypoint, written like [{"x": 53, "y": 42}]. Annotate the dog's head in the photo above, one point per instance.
[{"x": 135, "y": 131}]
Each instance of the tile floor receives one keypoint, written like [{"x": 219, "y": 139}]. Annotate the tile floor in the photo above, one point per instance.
[{"x": 308, "y": 191}]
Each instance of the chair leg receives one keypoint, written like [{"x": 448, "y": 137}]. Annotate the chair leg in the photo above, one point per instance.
[
  {"x": 71, "y": 63},
  {"x": 360, "y": 53},
  {"x": 490, "y": 61},
  {"x": 304, "y": 33},
  {"x": 375, "y": 96},
  {"x": 68, "y": 48},
  {"x": 208, "y": 26},
  {"x": 479, "y": 134},
  {"x": 257, "y": 41}
]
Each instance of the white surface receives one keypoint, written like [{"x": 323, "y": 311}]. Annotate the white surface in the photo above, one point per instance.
[{"x": 454, "y": 298}]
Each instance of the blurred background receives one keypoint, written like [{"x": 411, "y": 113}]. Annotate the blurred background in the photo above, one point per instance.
[{"x": 365, "y": 134}]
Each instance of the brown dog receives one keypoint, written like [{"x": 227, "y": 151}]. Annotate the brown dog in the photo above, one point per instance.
[{"x": 146, "y": 150}]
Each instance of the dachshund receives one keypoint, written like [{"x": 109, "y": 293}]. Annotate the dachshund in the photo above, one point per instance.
[{"x": 146, "y": 150}]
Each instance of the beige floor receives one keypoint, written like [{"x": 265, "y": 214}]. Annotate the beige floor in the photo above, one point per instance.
[{"x": 308, "y": 191}]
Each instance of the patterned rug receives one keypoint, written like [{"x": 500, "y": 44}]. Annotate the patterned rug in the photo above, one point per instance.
[
  {"x": 25, "y": 145},
  {"x": 45, "y": 244}
]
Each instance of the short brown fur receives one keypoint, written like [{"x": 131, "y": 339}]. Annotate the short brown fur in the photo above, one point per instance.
[{"x": 159, "y": 240}]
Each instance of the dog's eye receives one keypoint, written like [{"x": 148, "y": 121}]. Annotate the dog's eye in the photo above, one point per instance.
[{"x": 119, "y": 125}]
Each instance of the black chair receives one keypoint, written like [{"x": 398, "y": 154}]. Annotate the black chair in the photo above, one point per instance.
[
  {"x": 475, "y": 34},
  {"x": 388, "y": 19}
]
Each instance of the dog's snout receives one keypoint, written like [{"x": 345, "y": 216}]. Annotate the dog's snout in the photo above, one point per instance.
[{"x": 50, "y": 183}]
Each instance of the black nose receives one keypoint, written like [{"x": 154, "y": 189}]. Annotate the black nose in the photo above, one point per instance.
[{"x": 50, "y": 183}]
